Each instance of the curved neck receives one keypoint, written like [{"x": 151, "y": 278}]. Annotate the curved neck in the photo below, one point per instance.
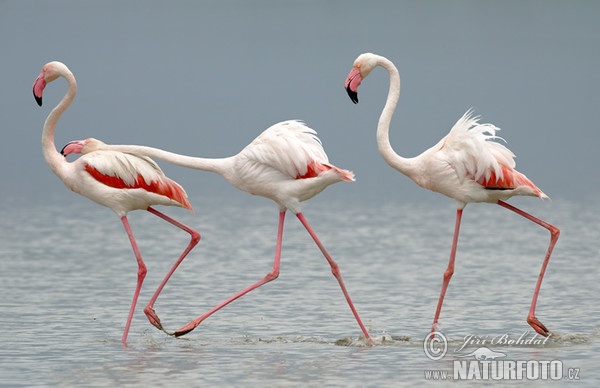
[
  {"x": 52, "y": 156},
  {"x": 383, "y": 126}
]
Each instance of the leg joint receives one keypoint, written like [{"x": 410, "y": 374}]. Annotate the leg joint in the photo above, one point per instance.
[
  {"x": 448, "y": 273},
  {"x": 195, "y": 237},
  {"x": 272, "y": 275}
]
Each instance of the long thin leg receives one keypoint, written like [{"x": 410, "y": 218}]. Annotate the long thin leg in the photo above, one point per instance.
[
  {"x": 554, "y": 233},
  {"x": 269, "y": 277},
  {"x": 449, "y": 271},
  {"x": 195, "y": 238},
  {"x": 336, "y": 272},
  {"x": 141, "y": 275}
]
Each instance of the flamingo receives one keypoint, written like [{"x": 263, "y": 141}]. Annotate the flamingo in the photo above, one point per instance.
[
  {"x": 120, "y": 181},
  {"x": 466, "y": 165},
  {"x": 287, "y": 164}
]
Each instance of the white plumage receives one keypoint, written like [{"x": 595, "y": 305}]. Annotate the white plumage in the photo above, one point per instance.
[
  {"x": 472, "y": 151},
  {"x": 121, "y": 182},
  {"x": 467, "y": 165},
  {"x": 289, "y": 147}
]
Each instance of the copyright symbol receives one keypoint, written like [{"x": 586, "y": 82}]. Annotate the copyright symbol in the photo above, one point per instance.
[{"x": 435, "y": 345}]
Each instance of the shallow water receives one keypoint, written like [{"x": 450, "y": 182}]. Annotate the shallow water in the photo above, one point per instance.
[{"x": 68, "y": 273}]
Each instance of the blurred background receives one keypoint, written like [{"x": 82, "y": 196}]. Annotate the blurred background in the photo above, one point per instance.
[{"x": 204, "y": 78}]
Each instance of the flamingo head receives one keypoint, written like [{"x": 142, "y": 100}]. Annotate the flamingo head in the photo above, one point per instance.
[
  {"x": 50, "y": 72},
  {"x": 362, "y": 67},
  {"x": 82, "y": 146}
]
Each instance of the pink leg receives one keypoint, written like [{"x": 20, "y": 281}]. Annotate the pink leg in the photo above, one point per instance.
[
  {"x": 336, "y": 272},
  {"x": 149, "y": 309},
  {"x": 141, "y": 275},
  {"x": 449, "y": 271},
  {"x": 269, "y": 277},
  {"x": 554, "y": 233}
]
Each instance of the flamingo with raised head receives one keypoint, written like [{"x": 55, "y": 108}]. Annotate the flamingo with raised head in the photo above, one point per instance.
[
  {"x": 285, "y": 163},
  {"x": 120, "y": 181},
  {"x": 466, "y": 165}
]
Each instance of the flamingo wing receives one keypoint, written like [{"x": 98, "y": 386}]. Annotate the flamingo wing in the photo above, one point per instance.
[
  {"x": 290, "y": 147},
  {"x": 127, "y": 171},
  {"x": 471, "y": 150}
]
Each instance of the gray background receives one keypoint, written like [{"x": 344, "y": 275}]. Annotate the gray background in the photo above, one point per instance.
[{"x": 206, "y": 77}]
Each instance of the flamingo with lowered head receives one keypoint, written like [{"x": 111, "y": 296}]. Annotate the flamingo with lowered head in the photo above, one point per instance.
[
  {"x": 120, "y": 181},
  {"x": 466, "y": 165},
  {"x": 285, "y": 163}
]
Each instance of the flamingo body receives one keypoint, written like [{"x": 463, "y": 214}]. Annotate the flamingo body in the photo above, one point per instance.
[
  {"x": 120, "y": 181},
  {"x": 286, "y": 163},
  {"x": 468, "y": 165},
  {"x": 124, "y": 182}
]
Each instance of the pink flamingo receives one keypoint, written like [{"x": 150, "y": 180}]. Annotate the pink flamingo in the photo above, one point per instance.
[
  {"x": 465, "y": 165},
  {"x": 120, "y": 181},
  {"x": 285, "y": 163}
]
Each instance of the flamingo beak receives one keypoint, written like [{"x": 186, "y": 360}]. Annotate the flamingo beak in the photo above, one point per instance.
[
  {"x": 73, "y": 147},
  {"x": 38, "y": 88},
  {"x": 352, "y": 82}
]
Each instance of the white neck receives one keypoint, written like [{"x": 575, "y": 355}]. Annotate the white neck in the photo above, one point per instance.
[
  {"x": 404, "y": 165},
  {"x": 55, "y": 159},
  {"x": 220, "y": 166}
]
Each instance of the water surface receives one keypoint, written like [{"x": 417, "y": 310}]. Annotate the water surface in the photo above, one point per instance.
[{"x": 67, "y": 274}]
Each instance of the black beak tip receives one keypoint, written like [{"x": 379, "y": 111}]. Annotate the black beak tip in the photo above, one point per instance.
[
  {"x": 38, "y": 99},
  {"x": 63, "y": 149},
  {"x": 352, "y": 94}
]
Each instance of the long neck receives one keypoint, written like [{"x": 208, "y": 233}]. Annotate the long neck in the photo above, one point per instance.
[
  {"x": 401, "y": 164},
  {"x": 218, "y": 165},
  {"x": 54, "y": 158}
]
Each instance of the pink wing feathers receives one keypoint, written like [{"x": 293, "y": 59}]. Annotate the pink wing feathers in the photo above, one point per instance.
[{"x": 126, "y": 171}]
